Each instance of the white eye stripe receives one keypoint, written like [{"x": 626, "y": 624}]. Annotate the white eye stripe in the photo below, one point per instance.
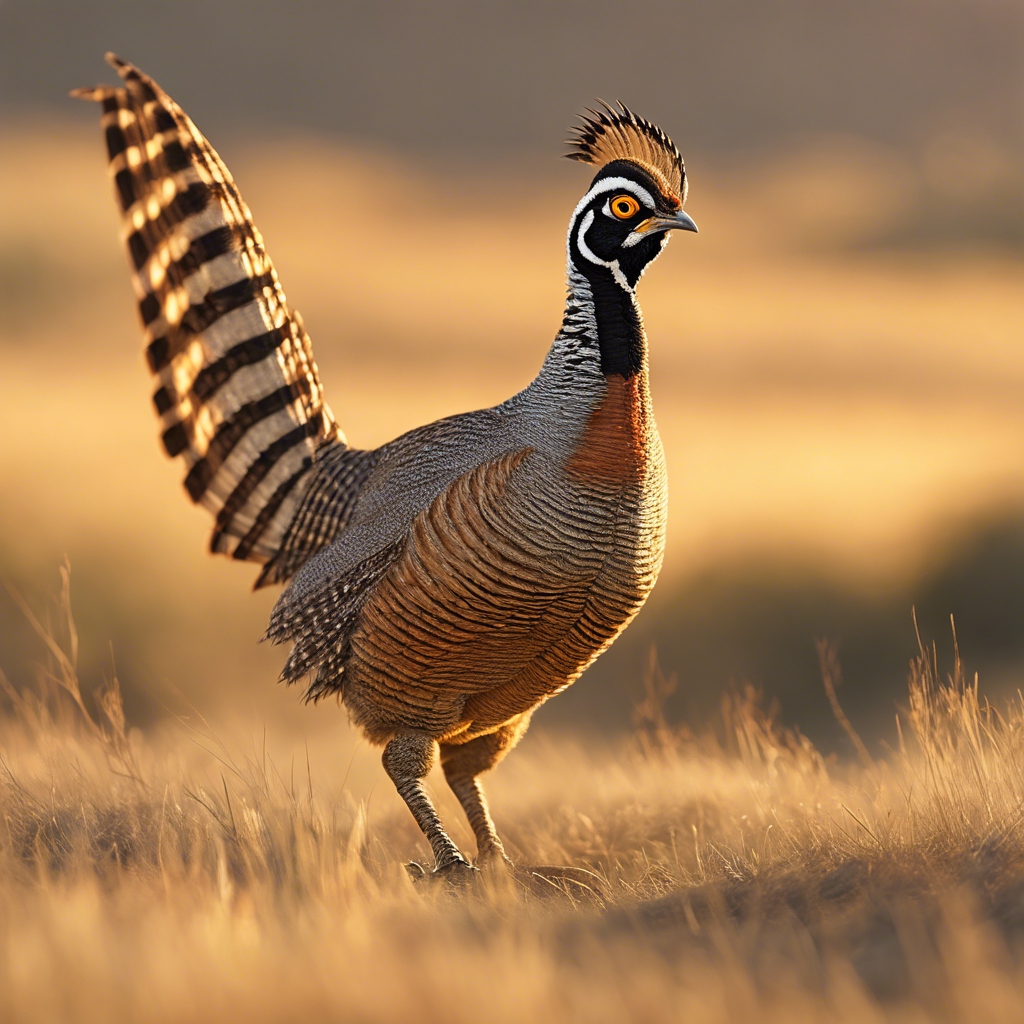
[{"x": 618, "y": 184}]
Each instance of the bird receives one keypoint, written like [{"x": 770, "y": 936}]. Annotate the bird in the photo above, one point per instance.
[{"x": 446, "y": 584}]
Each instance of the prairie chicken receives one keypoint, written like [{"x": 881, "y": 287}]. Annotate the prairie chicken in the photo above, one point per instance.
[{"x": 447, "y": 583}]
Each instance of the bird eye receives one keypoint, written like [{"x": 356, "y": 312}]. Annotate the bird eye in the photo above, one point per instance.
[{"x": 624, "y": 207}]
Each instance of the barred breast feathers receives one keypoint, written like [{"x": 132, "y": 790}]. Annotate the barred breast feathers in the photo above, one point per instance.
[{"x": 238, "y": 391}]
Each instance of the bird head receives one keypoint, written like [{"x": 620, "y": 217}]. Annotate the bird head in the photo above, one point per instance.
[{"x": 636, "y": 198}]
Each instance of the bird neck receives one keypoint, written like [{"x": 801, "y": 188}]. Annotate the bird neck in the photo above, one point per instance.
[{"x": 602, "y": 328}]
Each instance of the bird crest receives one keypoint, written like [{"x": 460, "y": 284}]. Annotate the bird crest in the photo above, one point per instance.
[{"x": 618, "y": 134}]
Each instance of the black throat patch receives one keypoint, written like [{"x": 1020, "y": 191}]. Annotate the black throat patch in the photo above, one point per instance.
[{"x": 620, "y": 329}]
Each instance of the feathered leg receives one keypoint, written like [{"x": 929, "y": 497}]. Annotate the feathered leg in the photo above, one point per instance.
[
  {"x": 408, "y": 758},
  {"x": 463, "y": 764}
]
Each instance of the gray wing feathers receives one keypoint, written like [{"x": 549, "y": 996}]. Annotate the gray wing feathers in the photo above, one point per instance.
[
  {"x": 392, "y": 486},
  {"x": 338, "y": 477},
  {"x": 320, "y": 622}
]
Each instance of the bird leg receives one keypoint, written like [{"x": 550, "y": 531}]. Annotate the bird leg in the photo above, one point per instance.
[
  {"x": 542, "y": 880},
  {"x": 462, "y": 764},
  {"x": 408, "y": 758},
  {"x": 471, "y": 795}
]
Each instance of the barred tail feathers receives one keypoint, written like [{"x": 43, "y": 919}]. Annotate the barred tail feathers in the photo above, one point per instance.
[{"x": 238, "y": 394}]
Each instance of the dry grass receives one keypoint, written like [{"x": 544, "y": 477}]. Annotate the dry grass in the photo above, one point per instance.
[{"x": 177, "y": 878}]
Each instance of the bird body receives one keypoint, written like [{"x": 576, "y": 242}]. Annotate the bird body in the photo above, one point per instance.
[
  {"x": 447, "y": 583},
  {"x": 524, "y": 539}
]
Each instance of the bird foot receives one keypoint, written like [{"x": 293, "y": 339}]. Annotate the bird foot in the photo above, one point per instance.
[
  {"x": 455, "y": 872},
  {"x": 545, "y": 881}
]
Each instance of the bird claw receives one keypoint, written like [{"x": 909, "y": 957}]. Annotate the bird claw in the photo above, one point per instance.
[
  {"x": 455, "y": 872},
  {"x": 542, "y": 880}
]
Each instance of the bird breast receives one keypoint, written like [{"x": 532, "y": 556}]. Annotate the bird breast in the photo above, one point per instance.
[{"x": 619, "y": 440}]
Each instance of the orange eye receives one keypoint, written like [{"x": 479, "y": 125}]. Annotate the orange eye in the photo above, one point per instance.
[{"x": 624, "y": 207}]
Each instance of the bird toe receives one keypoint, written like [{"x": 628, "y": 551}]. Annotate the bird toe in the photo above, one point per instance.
[{"x": 455, "y": 872}]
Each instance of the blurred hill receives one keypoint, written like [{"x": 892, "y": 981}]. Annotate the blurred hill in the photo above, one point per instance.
[
  {"x": 756, "y": 620},
  {"x": 502, "y": 78}
]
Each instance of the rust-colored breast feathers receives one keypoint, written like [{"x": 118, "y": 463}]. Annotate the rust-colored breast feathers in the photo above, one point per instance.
[{"x": 615, "y": 446}]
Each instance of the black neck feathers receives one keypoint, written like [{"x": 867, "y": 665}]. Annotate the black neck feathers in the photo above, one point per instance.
[{"x": 620, "y": 328}]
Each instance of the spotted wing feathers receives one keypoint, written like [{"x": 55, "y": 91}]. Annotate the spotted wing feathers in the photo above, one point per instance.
[
  {"x": 616, "y": 133},
  {"x": 320, "y": 624},
  {"x": 238, "y": 392}
]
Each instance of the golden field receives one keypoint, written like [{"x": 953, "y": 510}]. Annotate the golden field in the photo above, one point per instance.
[
  {"x": 736, "y": 877},
  {"x": 837, "y": 375},
  {"x": 812, "y": 388},
  {"x": 833, "y": 385}
]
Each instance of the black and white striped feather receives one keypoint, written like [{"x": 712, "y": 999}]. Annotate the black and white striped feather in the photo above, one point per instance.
[{"x": 238, "y": 392}]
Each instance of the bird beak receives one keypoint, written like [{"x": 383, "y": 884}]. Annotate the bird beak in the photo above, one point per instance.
[{"x": 680, "y": 220}]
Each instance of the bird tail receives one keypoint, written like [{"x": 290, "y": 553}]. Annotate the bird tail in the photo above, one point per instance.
[{"x": 238, "y": 391}]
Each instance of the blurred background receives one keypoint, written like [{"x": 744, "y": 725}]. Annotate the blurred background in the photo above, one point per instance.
[{"x": 837, "y": 358}]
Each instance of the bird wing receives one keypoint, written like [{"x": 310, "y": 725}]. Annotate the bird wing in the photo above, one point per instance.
[
  {"x": 467, "y": 595},
  {"x": 238, "y": 392}
]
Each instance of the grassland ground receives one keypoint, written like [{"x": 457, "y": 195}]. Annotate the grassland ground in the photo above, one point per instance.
[{"x": 171, "y": 876}]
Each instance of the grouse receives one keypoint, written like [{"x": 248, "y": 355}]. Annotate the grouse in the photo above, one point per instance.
[{"x": 447, "y": 583}]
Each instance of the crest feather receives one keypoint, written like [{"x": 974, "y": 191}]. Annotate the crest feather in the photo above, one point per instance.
[{"x": 616, "y": 133}]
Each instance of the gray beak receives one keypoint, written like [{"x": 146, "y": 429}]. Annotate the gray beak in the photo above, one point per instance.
[
  {"x": 680, "y": 220},
  {"x": 657, "y": 225}
]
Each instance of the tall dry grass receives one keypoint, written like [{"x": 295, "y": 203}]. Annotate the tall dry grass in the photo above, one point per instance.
[{"x": 747, "y": 877}]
